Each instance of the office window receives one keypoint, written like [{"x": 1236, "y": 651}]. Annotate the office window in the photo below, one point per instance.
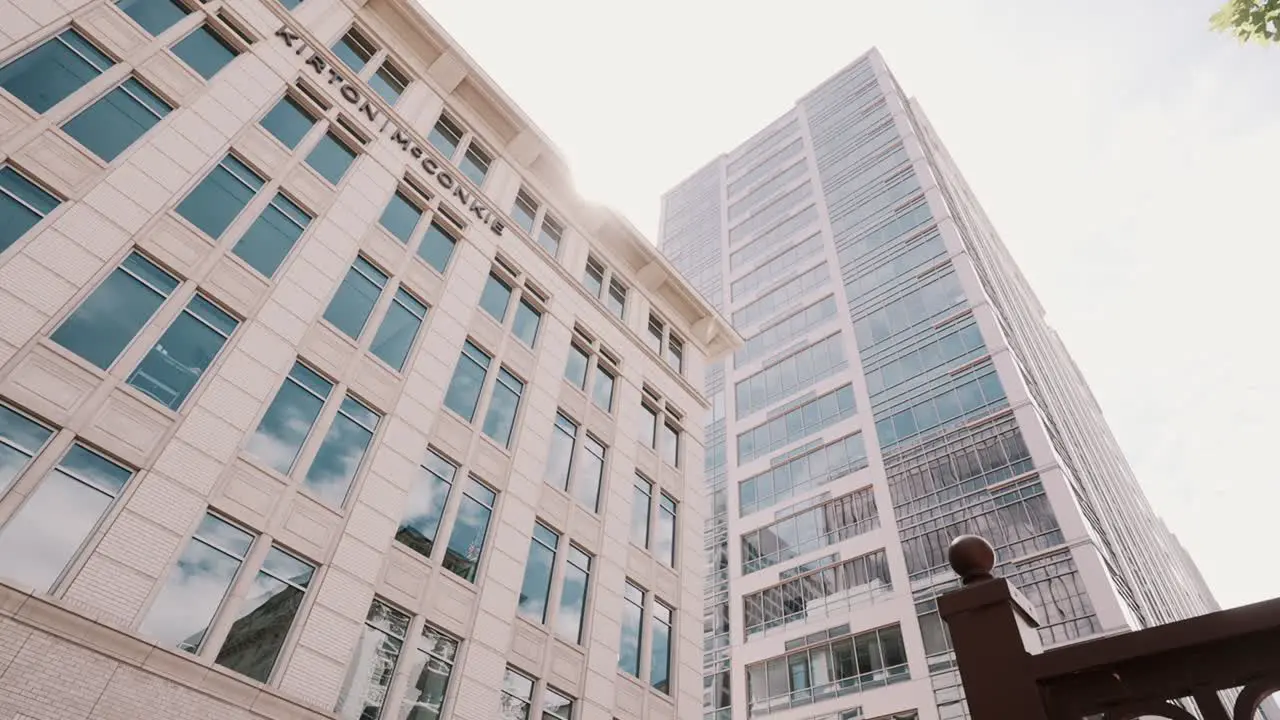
[
  {"x": 821, "y": 589},
  {"x": 341, "y": 452},
  {"x": 573, "y": 596},
  {"x": 288, "y": 421},
  {"x": 617, "y": 301},
  {"x": 373, "y": 664},
  {"x": 590, "y": 474},
  {"x": 664, "y": 540},
  {"x": 197, "y": 586},
  {"x": 517, "y": 696},
  {"x": 550, "y": 235},
  {"x": 155, "y": 16},
  {"x": 660, "y": 655},
  {"x": 270, "y": 239},
  {"x": 112, "y": 315},
  {"x": 389, "y": 82},
  {"x": 399, "y": 329},
  {"x": 425, "y": 505},
  {"x": 657, "y": 333},
  {"x": 351, "y": 305},
  {"x": 290, "y": 4},
  {"x": 798, "y": 371},
  {"x": 575, "y": 369},
  {"x": 649, "y": 426},
  {"x": 535, "y": 591},
  {"x": 445, "y": 136},
  {"x": 331, "y": 157},
  {"x": 827, "y": 669},
  {"x": 20, "y": 439},
  {"x": 258, "y": 634},
  {"x": 813, "y": 527},
  {"x": 22, "y": 205},
  {"x": 354, "y": 50},
  {"x": 556, "y": 706},
  {"x": 632, "y": 629},
  {"x": 802, "y": 473},
  {"x": 462, "y": 556},
  {"x": 401, "y": 216},
  {"x": 814, "y": 415},
  {"x": 641, "y": 500},
  {"x": 170, "y": 371},
  {"x": 475, "y": 163},
  {"x": 669, "y": 447},
  {"x": 47, "y": 74},
  {"x": 220, "y": 196},
  {"x": 593, "y": 279},
  {"x": 528, "y": 319},
  {"x": 524, "y": 211},
  {"x": 602, "y": 389},
  {"x": 288, "y": 122},
  {"x": 560, "y": 456},
  {"x": 468, "y": 380},
  {"x": 437, "y": 247},
  {"x": 675, "y": 353},
  {"x": 205, "y": 51},
  {"x": 114, "y": 122},
  {"x": 504, "y": 405},
  {"x": 433, "y": 669},
  {"x": 59, "y": 516},
  {"x": 496, "y": 297}
]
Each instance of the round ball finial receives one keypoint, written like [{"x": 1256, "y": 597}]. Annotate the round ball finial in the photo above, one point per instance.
[{"x": 971, "y": 558}]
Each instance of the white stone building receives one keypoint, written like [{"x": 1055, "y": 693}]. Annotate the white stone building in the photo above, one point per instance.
[{"x": 322, "y": 394}]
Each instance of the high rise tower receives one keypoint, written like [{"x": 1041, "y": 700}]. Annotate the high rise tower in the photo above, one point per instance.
[{"x": 899, "y": 387}]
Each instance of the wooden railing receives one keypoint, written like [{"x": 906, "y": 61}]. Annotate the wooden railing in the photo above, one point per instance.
[{"x": 1157, "y": 672}]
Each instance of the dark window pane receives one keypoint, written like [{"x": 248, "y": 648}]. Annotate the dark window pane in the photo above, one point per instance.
[
  {"x": 425, "y": 505},
  {"x": 271, "y": 237},
  {"x": 437, "y": 247},
  {"x": 118, "y": 119},
  {"x": 388, "y": 83},
  {"x": 504, "y": 404},
  {"x": 495, "y": 297},
  {"x": 108, "y": 320},
  {"x": 258, "y": 633},
  {"x": 174, "y": 365},
  {"x": 536, "y": 587},
  {"x": 331, "y": 158},
  {"x": 398, "y": 330},
  {"x": 475, "y": 164},
  {"x": 462, "y": 556},
  {"x": 353, "y": 50},
  {"x": 219, "y": 198},
  {"x": 287, "y": 422},
  {"x": 43, "y": 77},
  {"x": 21, "y": 440},
  {"x": 288, "y": 121},
  {"x": 350, "y": 307},
  {"x": 205, "y": 51},
  {"x": 400, "y": 217},
  {"x": 338, "y": 460},
  {"x": 155, "y": 16},
  {"x": 22, "y": 205}
]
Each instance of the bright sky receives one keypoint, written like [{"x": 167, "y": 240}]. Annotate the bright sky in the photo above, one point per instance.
[{"x": 1127, "y": 155}]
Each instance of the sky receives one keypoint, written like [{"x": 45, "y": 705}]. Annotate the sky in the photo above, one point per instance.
[{"x": 1127, "y": 155}]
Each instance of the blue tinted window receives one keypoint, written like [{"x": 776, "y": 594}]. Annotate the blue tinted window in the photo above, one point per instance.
[
  {"x": 468, "y": 378},
  {"x": 174, "y": 365},
  {"x": 496, "y": 297},
  {"x": 219, "y": 198},
  {"x": 399, "y": 329},
  {"x": 504, "y": 404},
  {"x": 353, "y": 50},
  {"x": 525, "y": 326},
  {"x": 271, "y": 237},
  {"x": 401, "y": 216},
  {"x": 437, "y": 247},
  {"x": 116, "y": 120},
  {"x": 53, "y": 70},
  {"x": 445, "y": 136},
  {"x": 288, "y": 121},
  {"x": 475, "y": 164},
  {"x": 340, "y": 454},
  {"x": 286, "y": 424},
  {"x": 205, "y": 51},
  {"x": 22, "y": 205},
  {"x": 112, "y": 315},
  {"x": 331, "y": 158},
  {"x": 155, "y": 16},
  {"x": 290, "y": 4},
  {"x": 389, "y": 83},
  {"x": 356, "y": 296}
]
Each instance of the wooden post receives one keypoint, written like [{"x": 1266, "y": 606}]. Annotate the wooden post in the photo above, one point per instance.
[{"x": 993, "y": 633}]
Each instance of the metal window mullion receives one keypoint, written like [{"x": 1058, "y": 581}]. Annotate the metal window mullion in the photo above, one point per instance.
[
  {"x": 187, "y": 311},
  {"x": 313, "y": 393},
  {"x": 284, "y": 212},
  {"x": 77, "y": 53}
]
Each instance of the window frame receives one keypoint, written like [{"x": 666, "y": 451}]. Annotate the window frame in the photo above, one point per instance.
[
  {"x": 660, "y": 331},
  {"x": 600, "y": 359},
  {"x": 665, "y": 416},
  {"x": 581, "y": 436}
]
